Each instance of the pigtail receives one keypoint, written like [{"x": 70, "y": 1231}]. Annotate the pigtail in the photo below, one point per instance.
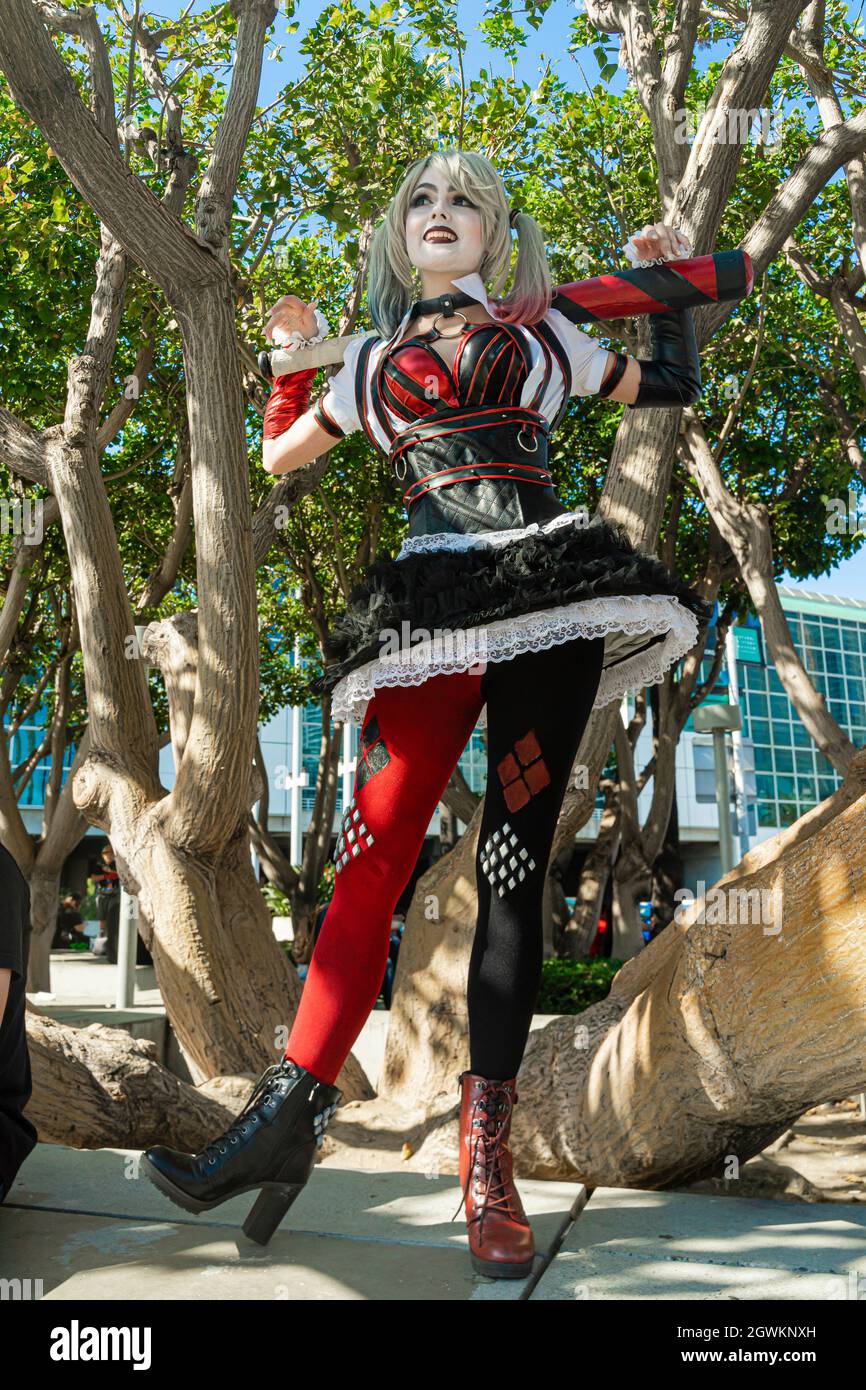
[
  {"x": 532, "y": 292},
  {"x": 389, "y": 278}
]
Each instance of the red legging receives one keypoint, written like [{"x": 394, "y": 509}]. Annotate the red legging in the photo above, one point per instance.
[{"x": 412, "y": 736}]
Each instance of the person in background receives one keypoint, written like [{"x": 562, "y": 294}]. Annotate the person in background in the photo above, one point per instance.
[
  {"x": 398, "y": 924},
  {"x": 18, "y": 1135},
  {"x": 106, "y": 881},
  {"x": 69, "y": 919}
]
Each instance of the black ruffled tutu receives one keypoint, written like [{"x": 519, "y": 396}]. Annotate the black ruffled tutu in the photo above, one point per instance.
[{"x": 571, "y": 571}]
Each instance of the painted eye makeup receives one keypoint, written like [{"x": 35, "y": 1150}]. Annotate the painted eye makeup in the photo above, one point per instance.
[{"x": 419, "y": 198}]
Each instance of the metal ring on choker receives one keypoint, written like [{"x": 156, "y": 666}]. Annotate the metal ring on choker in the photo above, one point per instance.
[{"x": 456, "y": 314}]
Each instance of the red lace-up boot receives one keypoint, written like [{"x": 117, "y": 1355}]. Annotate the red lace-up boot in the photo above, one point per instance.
[{"x": 500, "y": 1237}]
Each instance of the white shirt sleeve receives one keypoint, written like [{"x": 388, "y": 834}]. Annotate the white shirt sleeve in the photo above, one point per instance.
[
  {"x": 587, "y": 357},
  {"x": 336, "y": 409}
]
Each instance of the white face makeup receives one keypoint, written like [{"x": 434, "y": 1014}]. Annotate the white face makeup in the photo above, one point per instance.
[{"x": 443, "y": 232}]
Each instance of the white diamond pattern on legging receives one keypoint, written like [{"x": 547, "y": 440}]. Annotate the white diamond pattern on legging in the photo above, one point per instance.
[
  {"x": 504, "y": 860},
  {"x": 352, "y": 838}
]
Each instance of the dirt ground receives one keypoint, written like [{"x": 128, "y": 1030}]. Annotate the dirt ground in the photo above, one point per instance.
[{"x": 822, "y": 1158}]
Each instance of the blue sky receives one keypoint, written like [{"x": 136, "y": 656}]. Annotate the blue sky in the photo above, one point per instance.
[{"x": 549, "y": 43}]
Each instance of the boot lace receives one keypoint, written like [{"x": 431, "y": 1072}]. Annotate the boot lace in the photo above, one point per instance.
[
  {"x": 486, "y": 1143},
  {"x": 267, "y": 1082}
]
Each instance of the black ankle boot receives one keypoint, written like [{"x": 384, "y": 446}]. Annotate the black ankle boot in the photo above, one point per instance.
[{"x": 271, "y": 1145}]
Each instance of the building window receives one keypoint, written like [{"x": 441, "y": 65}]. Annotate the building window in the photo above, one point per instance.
[
  {"x": 780, "y": 707},
  {"x": 705, "y": 774}
]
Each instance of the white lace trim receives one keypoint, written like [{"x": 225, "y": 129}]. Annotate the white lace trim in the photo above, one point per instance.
[
  {"x": 623, "y": 619},
  {"x": 449, "y": 540},
  {"x": 295, "y": 341}
]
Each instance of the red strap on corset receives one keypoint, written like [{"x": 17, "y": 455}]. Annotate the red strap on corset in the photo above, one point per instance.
[
  {"x": 472, "y": 472},
  {"x": 457, "y": 421}
]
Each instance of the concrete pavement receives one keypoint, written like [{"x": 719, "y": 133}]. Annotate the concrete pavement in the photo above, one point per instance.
[{"x": 89, "y": 1227}]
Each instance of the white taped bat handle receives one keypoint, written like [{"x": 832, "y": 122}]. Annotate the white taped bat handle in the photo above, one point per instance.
[{"x": 319, "y": 355}]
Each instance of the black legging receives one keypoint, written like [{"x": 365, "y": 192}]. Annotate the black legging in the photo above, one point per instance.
[{"x": 538, "y": 705}]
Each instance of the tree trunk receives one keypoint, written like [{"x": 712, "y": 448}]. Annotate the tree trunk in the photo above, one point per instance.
[
  {"x": 716, "y": 1037},
  {"x": 556, "y": 907},
  {"x": 427, "y": 1042},
  {"x": 667, "y": 873},
  {"x": 447, "y": 829},
  {"x": 458, "y": 797},
  {"x": 97, "y": 1088},
  {"x": 229, "y": 989},
  {"x": 39, "y": 962},
  {"x": 44, "y": 902},
  {"x": 713, "y": 1040},
  {"x": 627, "y": 926},
  {"x": 595, "y": 873},
  {"x": 745, "y": 526}
]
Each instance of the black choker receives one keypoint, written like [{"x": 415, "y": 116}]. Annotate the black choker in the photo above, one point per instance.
[{"x": 443, "y": 305}]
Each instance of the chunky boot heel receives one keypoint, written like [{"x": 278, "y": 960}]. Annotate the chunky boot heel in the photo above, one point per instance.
[
  {"x": 269, "y": 1209},
  {"x": 270, "y": 1148}
]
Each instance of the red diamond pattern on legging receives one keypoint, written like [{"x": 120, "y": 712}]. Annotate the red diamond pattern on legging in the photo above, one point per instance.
[{"x": 523, "y": 772}]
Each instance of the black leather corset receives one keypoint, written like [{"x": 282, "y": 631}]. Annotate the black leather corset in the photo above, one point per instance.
[{"x": 481, "y": 469}]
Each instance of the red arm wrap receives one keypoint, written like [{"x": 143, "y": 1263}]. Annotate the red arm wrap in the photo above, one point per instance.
[{"x": 289, "y": 399}]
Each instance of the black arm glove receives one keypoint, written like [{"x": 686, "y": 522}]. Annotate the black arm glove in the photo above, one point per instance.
[{"x": 672, "y": 376}]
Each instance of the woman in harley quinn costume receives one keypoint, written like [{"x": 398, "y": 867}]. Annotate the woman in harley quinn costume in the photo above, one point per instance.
[{"x": 530, "y": 617}]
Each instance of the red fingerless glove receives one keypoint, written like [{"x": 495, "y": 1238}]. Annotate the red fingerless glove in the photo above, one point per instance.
[{"x": 289, "y": 399}]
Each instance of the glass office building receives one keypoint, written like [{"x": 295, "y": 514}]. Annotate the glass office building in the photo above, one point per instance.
[
  {"x": 773, "y": 763},
  {"x": 829, "y": 634},
  {"x": 830, "y": 637}
]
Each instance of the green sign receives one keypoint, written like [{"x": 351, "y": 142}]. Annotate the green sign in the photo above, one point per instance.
[{"x": 747, "y": 645}]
